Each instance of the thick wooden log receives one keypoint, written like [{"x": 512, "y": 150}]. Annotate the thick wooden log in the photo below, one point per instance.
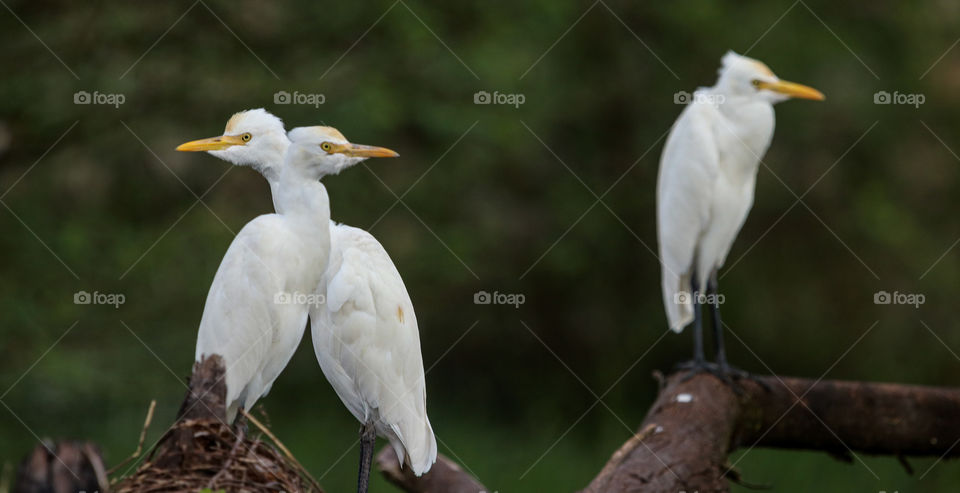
[{"x": 694, "y": 425}]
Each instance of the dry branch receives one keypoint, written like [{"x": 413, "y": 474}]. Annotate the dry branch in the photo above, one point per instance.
[
  {"x": 445, "y": 476},
  {"x": 695, "y": 424}
]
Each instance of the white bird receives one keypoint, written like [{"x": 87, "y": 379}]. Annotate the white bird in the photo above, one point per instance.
[
  {"x": 242, "y": 321},
  {"x": 367, "y": 343},
  {"x": 706, "y": 184}
]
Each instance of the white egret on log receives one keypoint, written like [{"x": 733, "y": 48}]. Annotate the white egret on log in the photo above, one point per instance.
[{"x": 705, "y": 188}]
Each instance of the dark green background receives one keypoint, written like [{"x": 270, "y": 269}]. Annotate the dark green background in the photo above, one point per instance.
[{"x": 513, "y": 398}]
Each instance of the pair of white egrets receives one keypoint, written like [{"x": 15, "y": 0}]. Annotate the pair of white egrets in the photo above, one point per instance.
[{"x": 283, "y": 267}]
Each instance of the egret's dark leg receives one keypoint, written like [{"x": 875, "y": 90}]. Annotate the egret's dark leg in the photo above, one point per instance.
[
  {"x": 714, "y": 301},
  {"x": 698, "y": 354},
  {"x": 722, "y": 364},
  {"x": 368, "y": 438},
  {"x": 240, "y": 422},
  {"x": 699, "y": 362}
]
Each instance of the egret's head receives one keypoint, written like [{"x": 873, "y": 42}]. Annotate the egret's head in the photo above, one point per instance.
[
  {"x": 741, "y": 76},
  {"x": 252, "y": 138},
  {"x": 320, "y": 151}
]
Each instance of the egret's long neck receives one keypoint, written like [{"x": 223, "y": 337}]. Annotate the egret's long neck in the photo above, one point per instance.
[
  {"x": 273, "y": 171},
  {"x": 300, "y": 197},
  {"x": 274, "y": 190}
]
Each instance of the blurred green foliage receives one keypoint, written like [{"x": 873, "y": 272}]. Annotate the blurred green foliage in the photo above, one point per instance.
[{"x": 496, "y": 198}]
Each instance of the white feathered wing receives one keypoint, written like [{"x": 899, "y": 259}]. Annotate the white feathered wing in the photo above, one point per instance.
[
  {"x": 367, "y": 343},
  {"x": 688, "y": 170},
  {"x": 241, "y": 320}
]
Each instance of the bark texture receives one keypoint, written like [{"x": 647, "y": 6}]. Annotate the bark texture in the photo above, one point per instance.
[{"x": 694, "y": 425}]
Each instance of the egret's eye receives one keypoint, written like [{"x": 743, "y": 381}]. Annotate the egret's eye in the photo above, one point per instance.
[
  {"x": 756, "y": 83},
  {"x": 246, "y": 137},
  {"x": 326, "y": 146}
]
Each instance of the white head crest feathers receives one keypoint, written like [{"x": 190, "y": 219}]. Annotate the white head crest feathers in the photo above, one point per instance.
[{"x": 316, "y": 134}]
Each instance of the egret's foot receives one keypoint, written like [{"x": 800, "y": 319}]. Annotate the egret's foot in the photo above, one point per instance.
[
  {"x": 695, "y": 367},
  {"x": 739, "y": 374},
  {"x": 240, "y": 424}
]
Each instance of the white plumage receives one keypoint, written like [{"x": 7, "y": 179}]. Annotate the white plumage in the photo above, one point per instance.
[
  {"x": 368, "y": 345},
  {"x": 248, "y": 318},
  {"x": 365, "y": 335},
  {"x": 245, "y": 319},
  {"x": 708, "y": 173}
]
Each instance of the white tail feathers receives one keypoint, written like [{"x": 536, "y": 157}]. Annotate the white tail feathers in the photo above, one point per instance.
[
  {"x": 419, "y": 450},
  {"x": 676, "y": 300}
]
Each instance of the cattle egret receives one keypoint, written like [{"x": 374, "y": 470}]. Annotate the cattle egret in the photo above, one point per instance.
[
  {"x": 368, "y": 346},
  {"x": 367, "y": 343},
  {"x": 705, "y": 188}
]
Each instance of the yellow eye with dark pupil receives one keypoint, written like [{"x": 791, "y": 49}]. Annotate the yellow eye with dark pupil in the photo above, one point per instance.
[
  {"x": 755, "y": 82},
  {"x": 325, "y": 146},
  {"x": 246, "y": 137}
]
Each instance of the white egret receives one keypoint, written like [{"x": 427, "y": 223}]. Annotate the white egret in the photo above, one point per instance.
[
  {"x": 705, "y": 188},
  {"x": 368, "y": 346},
  {"x": 242, "y": 322},
  {"x": 367, "y": 342}
]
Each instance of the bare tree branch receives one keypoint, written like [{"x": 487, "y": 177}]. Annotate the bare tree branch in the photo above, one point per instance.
[
  {"x": 445, "y": 476},
  {"x": 695, "y": 424}
]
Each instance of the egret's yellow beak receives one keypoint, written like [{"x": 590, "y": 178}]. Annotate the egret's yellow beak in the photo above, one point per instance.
[
  {"x": 792, "y": 89},
  {"x": 212, "y": 144},
  {"x": 360, "y": 150}
]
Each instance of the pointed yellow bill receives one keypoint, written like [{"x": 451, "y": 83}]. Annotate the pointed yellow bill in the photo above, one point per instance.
[
  {"x": 360, "y": 150},
  {"x": 212, "y": 144},
  {"x": 792, "y": 89}
]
